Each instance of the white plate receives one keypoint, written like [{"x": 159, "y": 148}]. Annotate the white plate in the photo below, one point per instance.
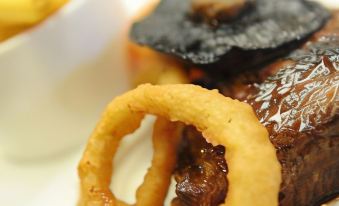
[
  {"x": 56, "y": 77},
  {"x": 54, "y": 182}
]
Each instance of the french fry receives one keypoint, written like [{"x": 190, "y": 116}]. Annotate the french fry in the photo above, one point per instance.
[
  {"x": 7, "y": 32},
  {"x": 26, "y": 12}
]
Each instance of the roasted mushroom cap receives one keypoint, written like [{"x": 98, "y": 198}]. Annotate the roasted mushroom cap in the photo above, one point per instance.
[{"x": 267, "y": 25}]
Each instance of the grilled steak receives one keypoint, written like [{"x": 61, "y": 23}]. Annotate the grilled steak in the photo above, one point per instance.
[
  {"x": 201, "y": 171},
  {"x": 297, "y": 99}
]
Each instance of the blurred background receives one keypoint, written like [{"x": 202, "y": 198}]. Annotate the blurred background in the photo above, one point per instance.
[{"x": 61, "y": 62}]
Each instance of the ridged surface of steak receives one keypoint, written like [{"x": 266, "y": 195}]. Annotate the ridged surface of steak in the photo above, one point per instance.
[{"x": 297, "y": 99}]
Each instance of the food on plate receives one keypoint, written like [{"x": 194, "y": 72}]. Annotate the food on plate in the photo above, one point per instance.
[
  {"x": 220, "y": 10},
  {"x": 299, "y": 107},
  {"x": 150, "y": 67},
  {"x": 166, "y": 138},
  {"x": 270, "y": 28},
  {"x": 19, "y": 15},
  {"x": 296, "y": 96},
  {"x": 250, "y": 155},
  {"x": 297, "y": 100}
]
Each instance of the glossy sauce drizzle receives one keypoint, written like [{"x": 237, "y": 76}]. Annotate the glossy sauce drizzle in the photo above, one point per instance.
[{"x": 304, "y": 94}]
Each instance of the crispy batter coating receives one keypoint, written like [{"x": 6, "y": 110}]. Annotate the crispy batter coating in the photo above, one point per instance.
[
  {"x": 166, "y": 139},
  {"x": 250, "y": 155}
]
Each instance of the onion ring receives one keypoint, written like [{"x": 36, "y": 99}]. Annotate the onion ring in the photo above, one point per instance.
[
  {"x": 254, "y": 170},
  {"x": 166, "y": 138}
]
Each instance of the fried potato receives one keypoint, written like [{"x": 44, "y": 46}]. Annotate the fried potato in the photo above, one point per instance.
[{"x": 15, "y": 13}]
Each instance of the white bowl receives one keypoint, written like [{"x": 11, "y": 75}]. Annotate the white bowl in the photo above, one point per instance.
[{"x": 56, "y": 78}]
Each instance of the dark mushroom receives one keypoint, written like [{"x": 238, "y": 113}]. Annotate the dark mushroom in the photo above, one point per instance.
[{"x": 270, "y": 28}]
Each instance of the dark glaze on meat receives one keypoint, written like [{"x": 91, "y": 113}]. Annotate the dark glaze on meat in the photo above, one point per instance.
[
  {"x": 199, "y": 163},
  {"x": 303, "y": 95},
  {"x": 298, "y": 100},
  {"x": 269, "y": 29},
  {"x": 300, "y": 107}
]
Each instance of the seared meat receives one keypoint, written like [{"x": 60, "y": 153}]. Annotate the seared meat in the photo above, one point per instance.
[
  {"x": 297, "y": 99},
  {"x": 199, "y": 182}
]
